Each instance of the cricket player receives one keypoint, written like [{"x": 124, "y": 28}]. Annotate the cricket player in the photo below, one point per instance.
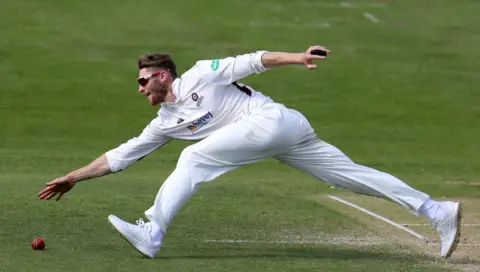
[{"x": 237, "y": 125}]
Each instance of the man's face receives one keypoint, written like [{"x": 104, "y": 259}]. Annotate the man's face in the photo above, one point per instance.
[{"x": 153, "y": 84}]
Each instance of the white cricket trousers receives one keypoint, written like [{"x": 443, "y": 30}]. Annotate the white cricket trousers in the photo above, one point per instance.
[{"x": 272, "y": 130}]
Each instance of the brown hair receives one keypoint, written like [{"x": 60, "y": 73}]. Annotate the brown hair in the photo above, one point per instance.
[{"x": 158, "y": 60}]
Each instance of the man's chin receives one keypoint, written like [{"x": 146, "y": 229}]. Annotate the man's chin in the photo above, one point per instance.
[{"x": 154, "y": 102}]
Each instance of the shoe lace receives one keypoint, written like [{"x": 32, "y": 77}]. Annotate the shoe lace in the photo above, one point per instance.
[{"x": 141, "y": 223}]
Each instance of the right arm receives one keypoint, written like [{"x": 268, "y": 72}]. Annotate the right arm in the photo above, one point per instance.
[
  {"x": 97, "y": 168},
  {"x": 112, "y": 161},
  {"x": 61, "y": 185}
]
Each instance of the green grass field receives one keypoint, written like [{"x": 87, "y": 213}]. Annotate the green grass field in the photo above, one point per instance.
[{"x": 400, "y": 94}]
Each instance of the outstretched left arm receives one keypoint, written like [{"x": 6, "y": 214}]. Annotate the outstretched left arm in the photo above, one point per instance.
[
  {"x": 230, "y": 69},
  {"x": 272, "y": 59}
]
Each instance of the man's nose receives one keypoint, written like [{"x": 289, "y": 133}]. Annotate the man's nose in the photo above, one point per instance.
[{"x": 141, "y": 88}]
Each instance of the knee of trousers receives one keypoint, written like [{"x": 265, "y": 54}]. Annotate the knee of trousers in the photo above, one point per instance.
[
  {"x": 190, "y": 155},
  {"x": 199, "y": 167},
  {"x": 192, "y": 165}
]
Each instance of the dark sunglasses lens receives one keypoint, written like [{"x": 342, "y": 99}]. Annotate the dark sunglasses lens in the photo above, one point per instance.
[{"x": 142, "y": 81}]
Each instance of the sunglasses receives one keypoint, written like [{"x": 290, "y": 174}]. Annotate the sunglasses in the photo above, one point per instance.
[{"x": 144, "y": 79}]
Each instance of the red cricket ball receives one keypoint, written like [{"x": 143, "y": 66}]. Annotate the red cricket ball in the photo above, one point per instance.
[{"x": 38, "y": 244}]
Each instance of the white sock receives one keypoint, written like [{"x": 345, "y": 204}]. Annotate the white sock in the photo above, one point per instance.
[
  {"x": 157, "y": 233},
  {"x": 432, "y": 210}
]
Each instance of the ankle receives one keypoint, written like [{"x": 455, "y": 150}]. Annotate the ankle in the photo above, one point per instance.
[
  {"x": 432, "y": 210},
  {"x": 156, "y": 233}
]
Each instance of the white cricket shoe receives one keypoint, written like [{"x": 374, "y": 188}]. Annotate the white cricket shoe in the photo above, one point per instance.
[
  {"x": 449, "y": 227},
  {"x": 139, "y": 235}
]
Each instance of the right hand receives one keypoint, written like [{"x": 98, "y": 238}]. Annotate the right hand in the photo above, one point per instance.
[
  {"x": 57, "y": 186},
  {"x": 308, "y": 58}
]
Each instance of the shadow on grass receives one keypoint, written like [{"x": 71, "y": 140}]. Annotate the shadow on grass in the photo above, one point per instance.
[
  {"x": 288, "y": 252},
  {"x": 465, "y": 260}
]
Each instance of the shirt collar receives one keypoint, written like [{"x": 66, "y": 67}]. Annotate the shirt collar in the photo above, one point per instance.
[{"x": 176, "y": 84}]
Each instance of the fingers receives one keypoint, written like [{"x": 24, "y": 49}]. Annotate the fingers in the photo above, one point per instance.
[
  {"x": 311, "y": 66},
  {"x": 58, "y": 186},
  {"x": 318, "y": 47},
  {"x": 52, "y": 194},
  {"x": 45, "y": 190},
  {"x": 47, "y": 194},
  {"x": 56, "y": 181},
  {"x": 312, "y": 57},
  {"x": 59, "y": 196},
  {"x": 325, "y": 49}
]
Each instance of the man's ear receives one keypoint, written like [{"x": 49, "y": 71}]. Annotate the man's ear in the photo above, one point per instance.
[{"x": 164, "y": 75}]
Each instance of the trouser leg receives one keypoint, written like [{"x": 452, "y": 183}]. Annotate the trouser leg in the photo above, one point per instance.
[{"x": 328, "y": 163}]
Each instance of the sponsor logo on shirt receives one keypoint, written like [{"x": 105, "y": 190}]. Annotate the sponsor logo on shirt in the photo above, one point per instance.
[
  {"x": 200, "y": 122},
  {"x": 180, "y": 120},
  {"x": 215, "y": 64}
]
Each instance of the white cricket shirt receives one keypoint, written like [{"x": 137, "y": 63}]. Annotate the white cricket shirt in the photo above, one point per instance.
[{"x": 207, "y": 98}]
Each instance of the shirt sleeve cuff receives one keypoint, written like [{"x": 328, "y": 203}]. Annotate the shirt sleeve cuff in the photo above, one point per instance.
[
  {"x": 259, "y": 67},
  {"x": 111, "y": 162}
]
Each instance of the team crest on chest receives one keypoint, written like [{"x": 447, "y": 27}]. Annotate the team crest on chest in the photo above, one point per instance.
[{"x": 197, "y": 99}]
